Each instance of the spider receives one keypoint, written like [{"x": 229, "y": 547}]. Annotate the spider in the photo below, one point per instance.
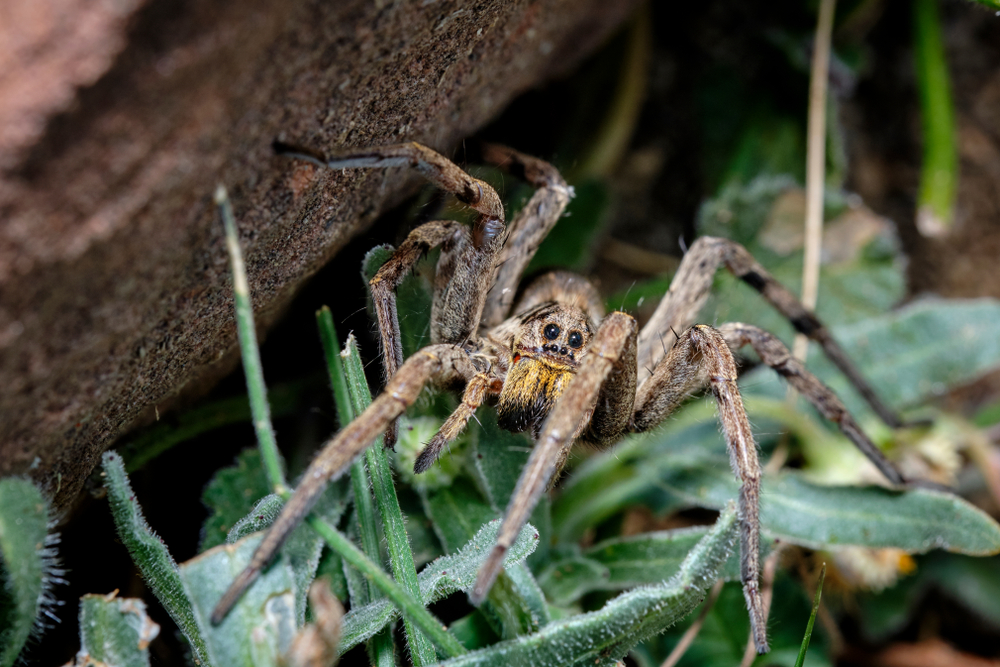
[{"x": 552, "y": 361}]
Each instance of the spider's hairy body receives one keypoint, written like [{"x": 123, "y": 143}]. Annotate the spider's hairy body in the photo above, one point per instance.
[
  {"x": 553, "y": 363},
  {"x": 545, "y": 351}
]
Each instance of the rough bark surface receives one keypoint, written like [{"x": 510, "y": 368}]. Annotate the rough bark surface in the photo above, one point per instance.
[{"x": 118, "y": 118}]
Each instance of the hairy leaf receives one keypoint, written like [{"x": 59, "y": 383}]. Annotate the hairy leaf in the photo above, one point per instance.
[
  {"x": 115, "y": 631},
  {"x": 605, "y": 636},
  {"x": 625, "y": 562},
  {"x": 794, "y": 510},
  {"x": 261, "y": 625},
  {"x": 231, "y": 495},
  {"x": 440, "y": 578},
  {"x": 27, "y": 564},
  {"x": 151, "y": 555}
]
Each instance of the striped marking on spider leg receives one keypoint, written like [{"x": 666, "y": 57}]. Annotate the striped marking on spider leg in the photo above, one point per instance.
[{"x": 774, "y": 353}]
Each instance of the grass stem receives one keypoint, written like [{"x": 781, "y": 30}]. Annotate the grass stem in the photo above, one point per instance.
[{"x": 939, "y": 172}]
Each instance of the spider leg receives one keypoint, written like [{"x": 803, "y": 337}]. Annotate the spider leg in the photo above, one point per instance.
[
  {"x": 441, "y": 364},
  {"x": 466, "y": 268},
  {"x": 472, "y": 398},
  {"x": 690, "y": 288},
  {"x": 383, "y": 288},
  {"x": 531, "y": 225},
  {"x": 612, "y": 348},
  {"x": 774, "y": 353},
  {"x": 432, "y": 165},
  {"x": 699, "y": 355}
]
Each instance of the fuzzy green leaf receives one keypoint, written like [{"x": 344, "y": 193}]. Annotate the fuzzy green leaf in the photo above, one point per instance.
[
  {"x": 626, "y": 562},
  {"x": 457, "y": 512},
  {"x": 815, "y": 516},
  {"x": 263, "y": 622},
  {"x": 115, "y": 631},
  {"x": 232, "y": 493},
  {"x": 27, "y": 564},
  {"x": 442, "y": 577},
  {"x": 303, "y": 548},
  {"x": 605, "y": 636},
  {"x": 150, "y": 554},
  {"x": 904, "y": 356}
]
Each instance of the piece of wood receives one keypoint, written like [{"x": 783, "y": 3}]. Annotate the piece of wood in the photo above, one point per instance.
[{"x": 117, "y": 122}]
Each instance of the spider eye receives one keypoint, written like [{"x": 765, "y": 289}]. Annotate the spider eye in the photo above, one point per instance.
[
  {"x": 575, "y": 339},
  {"x": 552, "y": 332}
]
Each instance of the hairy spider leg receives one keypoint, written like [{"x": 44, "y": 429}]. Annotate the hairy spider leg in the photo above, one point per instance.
[
  {"x": 528, "y": 228},
  {"x": 440, "y": 364},
  {"x": 702, "y": 355},
  {"x": 466, "y": 266},
  {"x": 690, "y": 288},
  {"x": 774, "y": 353},
  {"x": 612, "y": 348},
  {"x": 473, "y": 396}
]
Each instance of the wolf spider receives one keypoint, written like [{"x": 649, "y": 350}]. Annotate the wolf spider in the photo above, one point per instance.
[{"x": 552, "y": 361}]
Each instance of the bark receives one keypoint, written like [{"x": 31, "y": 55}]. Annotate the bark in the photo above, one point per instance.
[{"x": 117, "y": 119}]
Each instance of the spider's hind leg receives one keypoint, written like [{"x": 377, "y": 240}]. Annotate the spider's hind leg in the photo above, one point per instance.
[
  {"x": 466, "y": 268},
  {"x": 690, "y": 288},
  {"x": 774, "y": 353}
]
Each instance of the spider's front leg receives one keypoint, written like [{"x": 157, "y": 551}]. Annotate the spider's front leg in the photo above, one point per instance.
[
  {"x": 600, "y": 395},
  {"x": 701, "y": 353},
  {"x": 440, "y": 364}
]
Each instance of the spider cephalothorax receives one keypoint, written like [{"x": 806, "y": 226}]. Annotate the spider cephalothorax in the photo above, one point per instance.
[
  {"x": 554, "y": 363},
  {"x": 546, "y": 350}
]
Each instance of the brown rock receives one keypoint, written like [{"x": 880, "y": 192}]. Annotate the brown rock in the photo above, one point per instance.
[{"x": 118, "y": 119}]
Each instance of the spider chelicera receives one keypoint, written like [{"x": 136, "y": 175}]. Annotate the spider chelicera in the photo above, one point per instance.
[{"x": 552, "y": 361}]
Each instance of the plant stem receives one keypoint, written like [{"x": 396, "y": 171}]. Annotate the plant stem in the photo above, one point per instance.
[
  {"x": 409, "y": 606},
  {"x": 939, "y": 173},
  {"x": 252, "y": 368},
  {"x": 815, "y": 166},
  {"x": 812, "y": 618}
]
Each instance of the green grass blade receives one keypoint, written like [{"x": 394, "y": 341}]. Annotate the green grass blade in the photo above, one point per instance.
[
  {"x": 812, "y": 618},
  {"x": 150, "y": 554},
  {"x": 247, "y": 332},
  {"x": 335, "y": 366},
  {"x": 393, "y": 523},
  {"x": 939, "y": 173},
  {"x": 381, "y": 645}
]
